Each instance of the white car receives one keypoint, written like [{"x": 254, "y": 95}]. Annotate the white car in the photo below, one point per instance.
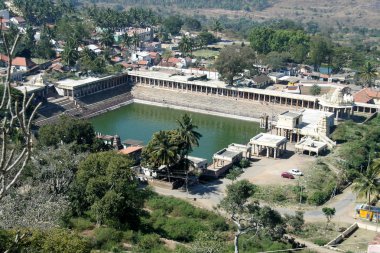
[{"x": 295, "y": 172}]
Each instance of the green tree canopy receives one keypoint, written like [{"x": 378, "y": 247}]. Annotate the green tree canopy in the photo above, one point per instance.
[
  {"x": 106, "y": 188},
  {"x": 233, "y": 60}
]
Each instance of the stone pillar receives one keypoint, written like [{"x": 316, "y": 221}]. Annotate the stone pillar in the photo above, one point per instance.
[
  {"x": 267, "y": 151},
  {"x": 275, "y": 153}
]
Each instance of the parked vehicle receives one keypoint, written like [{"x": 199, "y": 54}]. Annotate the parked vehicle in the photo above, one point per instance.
[
  {"x": 287, "y": 175},
  {"x": 295, "y": 172}
]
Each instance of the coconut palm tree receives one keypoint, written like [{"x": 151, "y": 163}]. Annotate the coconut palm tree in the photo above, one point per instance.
[
  {"x": 70, "y": 52},
  {"x": 367, "y": 184},
  {"x": 188, "y": 134},
  {"x": 217, "y": 27},
  {"x": 135, "y": 40},
  {"x": 164, "y": 151},
  {"x": 367, "y": 74},
  {"x": 186, "y": 45},
  {"x": 126, "y": 40},
  {"x": 107, "y": 38}
]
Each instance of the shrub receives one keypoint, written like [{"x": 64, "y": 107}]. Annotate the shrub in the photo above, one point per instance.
[
  {"x": 107, "y": 237},
  {"x": 148, "y": 241},
  {"x": 244, "y": 163},
  {"x": 318, "y": 198},
  {"x": 315, "y": 90},
  {"x": 81, "y": 224},
  {"x": 321, "y": 242}
]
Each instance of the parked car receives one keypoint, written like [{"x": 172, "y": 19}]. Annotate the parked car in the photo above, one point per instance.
[
  {"x": 287, "y": 175},
  {"x": 295, "y": 172}
]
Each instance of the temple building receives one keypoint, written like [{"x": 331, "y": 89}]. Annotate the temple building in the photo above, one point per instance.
[
  {"x": 269, "y": 144},
  {"x": 78, "y": 88},
  {"x": 311, "y": 146},
  {"x": 294, "y": 125},
  {"x": 340, "y": 102}
]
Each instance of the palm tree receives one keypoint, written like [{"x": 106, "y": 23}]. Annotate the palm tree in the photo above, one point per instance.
[
  {"x": 367, "y": 183},
  {"x": 368, "y": 73},
  {"x": 70, "y": 52},
  {"x": 217, "y": 27},
  {"x": 135, "y": 40},
  {"x": 188, "y": 134},
  {"x": 126, "y": 40},
  {"x": 107, "y": 38},
  {"x": 164, "y": 151}
]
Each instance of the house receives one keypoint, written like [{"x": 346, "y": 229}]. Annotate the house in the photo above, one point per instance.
[
  {"x": 261, "y": 81},
  {"x": 152, "y": 46},
  {"x": 133, "y": 151},
  {"x": 145, "y": 34},
  {"x": 18, "y": 21},
  {"x": 4, "y": 14},
  {"x": 141, "y": 56},
  {"x": 367, "y": 96},
  {"x": 22, "y": 64},
  {"x": 18, "y": 63},
  {"x": 275, "y": 76},
  {"x": 294, "y": 89},
  {"x": 143, "y": 63},
  {"x": 5, "y": 23},
  {"x": 174, "y": 62}
]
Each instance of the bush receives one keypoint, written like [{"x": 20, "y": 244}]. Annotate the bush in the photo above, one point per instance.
[
  {"x": 318, "y": 198},
  {"x": 148, "y": 241},
  {"x": 321, "y": 242},
  {"x": 80, "y": 224},
  {"x": 315, "y": 90},
  {"x": 107, "y": 237},
  {"x": 244, "y": 163}
]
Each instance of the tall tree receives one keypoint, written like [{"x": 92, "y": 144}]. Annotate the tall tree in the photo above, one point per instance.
[
  {"x": 217, "y": 27},
  {"x": 107, "y": 39},
  {"x": 368, "y": 74},
  {"x": 186, "y": 45},
  {"x": 248, "y": 216},
  {"x": 367, "y": 184},
  {"x": 15, "y": 120},
  {"x": 164, "y": 150},
  {"x": 135, "y": 40},
  {"x": 188, "y": 134},
  {"x": 233, "y": 60},
  {"x": 70, "y": 53},
  {"x": 107, "y": 189}
]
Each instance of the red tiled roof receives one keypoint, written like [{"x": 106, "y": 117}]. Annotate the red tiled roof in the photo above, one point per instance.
[
  {"x": 22, "y": 61},
  {"x": 142, "y": 62},
  {"x": 153, "y": 55},
  {"x": 4, "y": 58},
  {"x": 130, "y": 150},
  {"x": 174, "y": 60},
  {"x": 366, "y": 95}
]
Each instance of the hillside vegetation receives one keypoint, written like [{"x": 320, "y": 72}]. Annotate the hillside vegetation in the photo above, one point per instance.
[{"x": 194, "y": 4}]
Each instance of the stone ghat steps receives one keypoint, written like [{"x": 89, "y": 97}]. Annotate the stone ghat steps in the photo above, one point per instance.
[{"x": 214, "y": 103}]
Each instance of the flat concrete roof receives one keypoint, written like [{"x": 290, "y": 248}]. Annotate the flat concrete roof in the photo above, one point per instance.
[
  {"x": 311, "y": 145},
  {"x": 162, "y": 75},
  {"x": 70, "y": 84},
  {"x": 29, "y": 89},
  {"x": 226, "y": 154},
  {"x": 196, "y": 159},
  {"x": 291, "y": 114},
  {"x": 269, "y": 140}
]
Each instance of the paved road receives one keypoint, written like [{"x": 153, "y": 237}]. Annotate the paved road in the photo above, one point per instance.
[{"x": 209, "y": 195}]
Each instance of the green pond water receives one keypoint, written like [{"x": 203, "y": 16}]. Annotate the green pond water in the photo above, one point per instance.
[{"x": 139, "y": 122}]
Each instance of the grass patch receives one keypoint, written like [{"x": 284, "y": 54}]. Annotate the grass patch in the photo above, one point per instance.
[
  {"x": 319, "y": 233},
  {"x": 178, "y": 220},
  {"x": 206, "y": 53}
]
